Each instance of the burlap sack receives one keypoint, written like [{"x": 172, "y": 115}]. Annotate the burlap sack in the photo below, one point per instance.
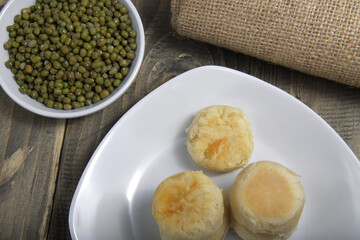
[{"x": 319, "y": 37}]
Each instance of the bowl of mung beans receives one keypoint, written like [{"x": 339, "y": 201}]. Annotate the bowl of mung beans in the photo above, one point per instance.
[{"x": 69, "y": 58}]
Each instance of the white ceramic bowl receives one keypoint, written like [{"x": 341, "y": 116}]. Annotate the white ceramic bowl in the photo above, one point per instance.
[{"x": 9, "y": 85}]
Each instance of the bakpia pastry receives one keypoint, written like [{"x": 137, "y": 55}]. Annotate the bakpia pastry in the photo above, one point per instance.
[
  {"x": 266, "y": 201},
  {"x": 188, "y": 205},
  {"x": 220, "y": 138}
]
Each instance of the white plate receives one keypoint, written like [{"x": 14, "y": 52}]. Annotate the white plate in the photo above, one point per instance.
[{"x": 113, "y": 198}]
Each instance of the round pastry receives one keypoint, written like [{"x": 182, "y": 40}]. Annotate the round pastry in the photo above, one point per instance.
[
  {"x": 190, "y": 206},
  {"x": 220, "y": 138},
  {"x": 266, "y": 201}
]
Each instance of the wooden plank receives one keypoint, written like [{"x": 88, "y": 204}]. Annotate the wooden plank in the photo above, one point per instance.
[
  {"x": 2, "y": 3},
  {"x": 81, "y": 139},
  {"x": 339, "y": 105},
  {"x": 30, "y": 149}
]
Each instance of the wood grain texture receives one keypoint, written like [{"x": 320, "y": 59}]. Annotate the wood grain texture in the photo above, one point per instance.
[
  {"x": 2, "y": 3},
  {"x": 29, "y": 156},
  {"x": 81, "y": 139},
  {"x": 42, "y": 159}
]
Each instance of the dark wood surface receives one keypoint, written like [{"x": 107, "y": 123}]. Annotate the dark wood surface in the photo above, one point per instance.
[{"x": 42, "y": 159}]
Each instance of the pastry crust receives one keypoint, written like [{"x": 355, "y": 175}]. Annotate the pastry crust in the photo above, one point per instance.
[
  {"x": 247, "y": 234},
  {"x": 220, "y": 138},
  {"x": 266, "y": 199},
  {"x": 189, "y": 206}
]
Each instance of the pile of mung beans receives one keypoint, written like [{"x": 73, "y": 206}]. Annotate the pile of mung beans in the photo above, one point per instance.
[{"x": 68, "y": 54}]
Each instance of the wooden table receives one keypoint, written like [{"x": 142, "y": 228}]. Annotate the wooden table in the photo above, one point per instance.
[{"x": 42, "y": 159}]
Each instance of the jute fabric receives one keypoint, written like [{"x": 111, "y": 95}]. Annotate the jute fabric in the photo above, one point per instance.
[{"x": 318, "y": 37}]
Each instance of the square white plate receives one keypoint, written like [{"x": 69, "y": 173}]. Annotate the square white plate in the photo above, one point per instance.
[{"x": 114, "y": 196}]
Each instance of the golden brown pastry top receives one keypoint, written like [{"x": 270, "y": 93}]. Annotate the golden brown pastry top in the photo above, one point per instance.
[
  {"x": 267, "y": 197},
  {"x": 220, "y": 138},
  {"x": 188, "y": 205}
]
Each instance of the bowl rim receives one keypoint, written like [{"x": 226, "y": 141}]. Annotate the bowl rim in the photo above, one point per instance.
[{"x": 31, "y": 104}]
